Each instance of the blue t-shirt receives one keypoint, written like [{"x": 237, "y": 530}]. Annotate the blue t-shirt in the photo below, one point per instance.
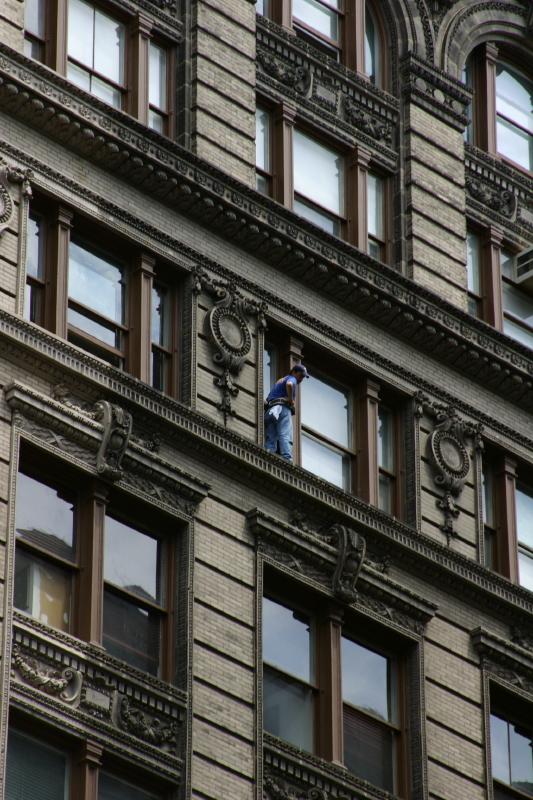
[{"x": 279, "y": 390}]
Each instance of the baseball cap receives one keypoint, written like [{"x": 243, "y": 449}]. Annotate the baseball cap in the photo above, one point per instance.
[{"x": 300, "y": 368}]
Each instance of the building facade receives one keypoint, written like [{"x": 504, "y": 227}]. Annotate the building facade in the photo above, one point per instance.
[{"x": 195, "y": 196}]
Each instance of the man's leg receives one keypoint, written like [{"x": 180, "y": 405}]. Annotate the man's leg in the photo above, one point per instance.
[
  {"x": 285, "y": 434},
  {"x": 271, "y": 433}
]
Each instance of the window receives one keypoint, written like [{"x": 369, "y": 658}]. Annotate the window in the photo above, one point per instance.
[
  {"x": 263, "y": 151},
  {"x": 511, "y": 747},
  {"x": 57, "y": 773},
  {"x": 376, "y": 216},
  {"x": 350, "y": 31},
  {"x": 517, "y": 303},
  {"x": 95, "y": 295},
  {"x": 507, "y": 502},
  {"x": 62, "y": 540},
  {"x": 304, "y": 656},
  {"x": 115, "y": 58},
  {"x": 318, "y": 183},
  {"x": 344, "y": 432},
  {"x": 35, "y": 29},
  {"x": 473, "y": 274},
  {"x": 502, "y": 122}
]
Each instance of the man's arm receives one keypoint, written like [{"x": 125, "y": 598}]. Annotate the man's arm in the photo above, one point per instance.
[{"x": 290, "y": 388}]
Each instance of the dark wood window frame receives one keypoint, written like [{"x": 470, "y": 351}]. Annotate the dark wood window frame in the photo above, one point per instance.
[
  {"x": 358, "y": 163},
  {"x": 482, "y": 65},
  {"x": 60, "y": 223},
  {"x": 92, "y": 500},
  {"x": 329, "y": 624},
  {"x": 513, "y": 710},
  {"x": 86, "y": 759},
  {"x": 366, "y": 395},
  {"x": 350, "y": 46},
  {"x": 140, "y": 31}
]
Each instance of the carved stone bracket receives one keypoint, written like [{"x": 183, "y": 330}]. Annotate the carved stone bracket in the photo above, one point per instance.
[
  {"x": 351, "y": 552},
  {"x": 228, "y": 332},
  {"x": 504, "y": 659},
  {"x": 9, "y": 175},
  {"x": 500, "y": 200},
  {"x": 117, "y": 425},
  {"x": 448, "y": 454}
]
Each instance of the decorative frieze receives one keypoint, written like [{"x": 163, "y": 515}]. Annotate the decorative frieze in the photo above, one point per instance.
[
  {"x": 432, "y": 89},
  {"x": 504, "y": 659}
]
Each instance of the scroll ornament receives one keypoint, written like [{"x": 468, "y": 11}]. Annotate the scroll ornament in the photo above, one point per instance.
[
  {"x": 276, "y": 790},
  {"x": 448, "y": 455},
  {"x": 117, "y": 425},
  {"x": 10, "y": 175},
  {"x": 351, "y": 553},
  {"x": 66, "y": 684},
  {"x": 229, "y": 333}
]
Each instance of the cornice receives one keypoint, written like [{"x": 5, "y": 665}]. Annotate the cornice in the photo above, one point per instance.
[
  {"x": 352, "y": 278},
  {"x": 505, "y": 653},
  {"x": 76, "y": 432},
  {"x": 347, "y": 105},
  {"x": 313, "y": 556},
  {"x": 162, "y": 12},
  {"x": 498, "y": 193},
  {"x": 435, "y": 90}
]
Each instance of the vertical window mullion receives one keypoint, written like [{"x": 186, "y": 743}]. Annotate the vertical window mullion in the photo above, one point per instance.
[
  {"x": 90, "y": 522},
  {"x": 491, "y": 278},
  {"x": 282, "y": 159},
  {"x": 328, "y": 655},
  {"x": 507, "y": 552},
  {"x": 59, "y": 240},
  {"x": 367, "y": 470},
  {"x": 86, "y": 763},
  {"x": 140, "y": 311}
]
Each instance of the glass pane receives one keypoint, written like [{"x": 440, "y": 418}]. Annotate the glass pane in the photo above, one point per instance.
[
  {"x": 371, "y": 46},
  {"x": 96, "y": 282},
  {"x": 473, "y": 268},
  {"x": 48, "y": 777},
  {"x": 375, "y": 206},
  {"x": 368, "y": 749},
  {"x": 79, "y": 76},
  {"x": 106, "y": 333},
  {"x": 34, "y": 242},
  {"x": 318, "y": 16},
  {"x": 386, "y": 493},
  {"x": 525, "y": 570},
  {"x": 524, "y": 514},
  {"x": 518, "y": 333},
  {"x": 156, "y": 121},
  {"x": 490, "y": 549},
  {"x": 42, "y": 590},
  {"x": 318, "y": 173},
  {"x": 262, "y": 184},
  {"x": 33, "y": 49},
  {"x": 110, "y": 788},
  {"x": 324, "y": 461},
  {"x": 109, "y": 47},
  {"x": 375, "y": 250},
  {"x": 34, "y": 17},
  {"x": 466, "y": 77},
  {"x": 269, "y": 369},
  {"x": 518, "y": 303},
  {"x": 514, "y": 97},
  {"x": 158, "y": 77},
  {"x": 45, "y": 517},
  {"x": 521, "y": 746},
  {"x": 288, "y": 710},
  {"x": 104, "y": 91},
  {"x": 160, "y": 316},
  {"x": 131, "y": 633},
  {"x": 487, "y": 495},
  {"x": 159, "y": 369},
  {"x": 317, "y": 217},
  {"x": 507, "y": 260},
  {"x": 80, "y": 32},
  {"x": 132, "y": 560},
  {"x": 325, "y": 409},
  {"x": 287, "y": 640},
  {"x": 514, "y": 143},
  {"x": 262, "y": 139},
  {"x": 366, "y": 679},
  {"x": 33, "y": 303},
  {"x": 499, "y": 749},
  {"x": 385, "y": 439}
]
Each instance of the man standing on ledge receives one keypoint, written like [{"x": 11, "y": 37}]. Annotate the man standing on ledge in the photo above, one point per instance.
[{"x": 279, "y": 408}]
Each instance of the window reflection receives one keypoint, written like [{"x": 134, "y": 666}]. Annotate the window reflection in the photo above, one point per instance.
[
  {"x": 512, "y": 754},
  {"x": 132, "y": 560},
  {"x": 48, "y": 777},
  {"x": 318, "y": 182},
  {"x": 524, "y": 533},
  {"x": 111, "y": 788},
  {"x": 34, "y": 29},
  {"x": 157, "y": 88},
  {"x": 514, "y": 116}
]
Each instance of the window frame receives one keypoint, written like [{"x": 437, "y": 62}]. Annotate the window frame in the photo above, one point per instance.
[
  {"x": 332, "y": 47},
  {"x": 509, "y": 708},
  {"x": 330, "y": 624},
  {"x": 92, "y": 503}
]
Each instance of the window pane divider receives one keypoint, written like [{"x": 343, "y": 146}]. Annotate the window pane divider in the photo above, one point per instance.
[
  {"x": 290, "y": 677},
  {"x": 98, "y": 343},
  {"x": 95, "y": 316},
  {"x": 139, "y": 601},
  {"x": 46, "y": 554},
  {"x": 119, "y": 86},
  {"x": 327, "y": 211},
  {"x": 393, "y": 726},
  {"x": 330, "y": 442}
]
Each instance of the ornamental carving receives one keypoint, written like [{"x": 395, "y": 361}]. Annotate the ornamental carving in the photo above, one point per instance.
[
  {"x": 65, "y": 684},
  {"x": 229, "y": 333},
  {"x": 377, "y": 129},
  {"x": 501, "y": 200},
  {"x": 351, "y": 553},
  {"x": 297, "y": 78},
  {"x": 448, "y": 454},
  {"x": 10, "y": 175},
  {"x": 279, "y": 790},
  {"x": 152, "y": 731},
  {"x": 117, "y": 429}
]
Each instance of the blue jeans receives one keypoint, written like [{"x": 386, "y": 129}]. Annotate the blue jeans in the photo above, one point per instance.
[{"x": 278, "y": 433}]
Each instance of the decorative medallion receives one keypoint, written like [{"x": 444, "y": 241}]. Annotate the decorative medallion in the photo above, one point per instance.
[
  {"x": 448, "y": 454},
  {"x": 229, "y": 333}
]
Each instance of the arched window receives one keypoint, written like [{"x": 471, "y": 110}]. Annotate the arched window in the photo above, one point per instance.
[
  {"x": 501, "y": 119},
  {"x": 373, "y": 49}
]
